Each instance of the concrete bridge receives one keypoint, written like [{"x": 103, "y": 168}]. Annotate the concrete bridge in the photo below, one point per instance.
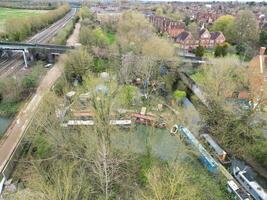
[
  {"x": 191, "y": 84},
  {"x": 32, "y": 51}
]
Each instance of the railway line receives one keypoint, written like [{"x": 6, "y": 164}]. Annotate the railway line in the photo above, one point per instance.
[{"x": 9, "y": 67}]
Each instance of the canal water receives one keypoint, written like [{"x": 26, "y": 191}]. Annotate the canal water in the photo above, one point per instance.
[
  {"x": 4, "y": 123},
  {"x": 159, "y": 141}
]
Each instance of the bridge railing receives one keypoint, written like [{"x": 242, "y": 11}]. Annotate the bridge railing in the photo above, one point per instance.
[{"x": 18, "y": 45}]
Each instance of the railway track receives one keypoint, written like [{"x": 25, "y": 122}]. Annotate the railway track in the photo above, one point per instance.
[{"x": 9, "y": 67}]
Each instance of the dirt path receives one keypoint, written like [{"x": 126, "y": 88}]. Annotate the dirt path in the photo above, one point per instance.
[{"x": 16, "y": 131}]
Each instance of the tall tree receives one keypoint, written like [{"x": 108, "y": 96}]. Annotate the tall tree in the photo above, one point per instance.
[
  {"x": 193, "y": 29},
  {"x": 246, "y": 27},
  {"x": 263, "y": 38},
  {"x": 225, "y": 24},
  {"x": 222, "y": 22}
]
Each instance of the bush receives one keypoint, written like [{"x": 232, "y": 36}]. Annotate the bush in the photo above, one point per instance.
[
  {"x": 259, "y": 152},
  {"x": 59, "y": 87},
  {"x": 94, "y": 37},
  {"x": 199, "y": 51},
  {"x": 146, "y": 162},
  {"x": 9, "y": 109},
  {"x": 100, "y": 65},
  {"x": 128, "y": 94},
  {"x": 29, "y": 82},
  {"x": 77, "y": 64},
  {"x": 85, "y": 12},
  {"x": 178, "y": 95},
  {"x": 41, "y": 146},
  {"x": 221, "y": 50}
]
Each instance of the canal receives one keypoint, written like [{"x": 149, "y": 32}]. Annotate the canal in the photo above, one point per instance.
[{"x": 4, "y": 123}]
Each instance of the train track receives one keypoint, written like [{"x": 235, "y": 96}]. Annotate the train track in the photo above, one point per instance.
[{"x": 9, "y": 67}]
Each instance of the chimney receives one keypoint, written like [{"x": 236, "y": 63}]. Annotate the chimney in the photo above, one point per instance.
[{"x": 262, "y": 50}]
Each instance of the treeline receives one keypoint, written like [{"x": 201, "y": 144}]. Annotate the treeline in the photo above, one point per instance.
[
  {"x": 20, "y": 29},
  {"x": 234, "y": 123},
  {"x": 29, "y": 5},
  {"x": 13, "y": 90}
]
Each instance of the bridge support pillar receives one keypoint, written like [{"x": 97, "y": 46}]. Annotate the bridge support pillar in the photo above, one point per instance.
[{"x": 25, "y": 59}]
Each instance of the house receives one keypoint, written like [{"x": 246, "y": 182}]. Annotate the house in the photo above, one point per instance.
[
  {"x": 163, "y": 24},
  {"x": 216, "y": 38},
  {"x": 185, "y": 40},
  {"x": 204, "y": 38},
  {"x": 175, "y": 28}
]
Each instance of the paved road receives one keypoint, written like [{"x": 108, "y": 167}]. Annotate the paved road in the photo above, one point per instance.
[{"x": 17, "y": 129}]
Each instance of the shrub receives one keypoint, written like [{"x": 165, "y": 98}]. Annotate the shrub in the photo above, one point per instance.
[
  {"x": 94, "y": 37},
  {"x": 77, "y": 64},
  {"x": 59, "y": 87},
  {"x": 29, "y": 82},
  {"x": 221, "y": 50},
  {"x": 179, "y": 95},
  {"x": 128, "y": 94},
  {"x": 9, "y": 109},
  {"x": 199, "y": 51},
  {"x": 42, "y": 146}
]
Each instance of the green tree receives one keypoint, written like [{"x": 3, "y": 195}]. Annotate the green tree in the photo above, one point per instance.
[
  {"x": 193, "y": 29},
  {"x": 221, "y": 50},
  {"x": 199, "y": 51},
  {"x": 246, "y": 29},
  {"x": 187, "y": 20},
  {"x": 133, "y": 31},
  {"x": 29, "y": 82},
  {"x": 179, "y": 95},
  {"x": 94, "y": 37},
  {"x": 77, "y": 64},
  {"x": 263, "y": 38},
  {"x": 222, "y": 22}
]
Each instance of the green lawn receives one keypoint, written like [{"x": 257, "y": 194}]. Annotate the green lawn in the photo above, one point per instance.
[{"x": 9, "y": 13}]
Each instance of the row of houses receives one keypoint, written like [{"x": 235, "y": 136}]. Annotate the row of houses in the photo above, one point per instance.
[
  {"x": 185, "y": 39},
  {"x": 163, "y": 24}
]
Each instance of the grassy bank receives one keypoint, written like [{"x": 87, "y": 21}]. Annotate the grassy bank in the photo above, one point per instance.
[
  {"x": 62, "y": 35},
  {"x": 9, "y": 13},
  {"x": 18, "y": 28}
]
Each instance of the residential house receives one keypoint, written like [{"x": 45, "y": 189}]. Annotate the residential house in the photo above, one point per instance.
[
  {"x": 216, "y": 38},
  {"x": 206, "y": 39},
  {"x": 163, "y": 24},
  {"x": 185, "y": 40}
]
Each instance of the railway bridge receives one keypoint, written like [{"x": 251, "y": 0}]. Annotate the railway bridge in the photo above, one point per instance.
[{"x": 33, "y": 51}]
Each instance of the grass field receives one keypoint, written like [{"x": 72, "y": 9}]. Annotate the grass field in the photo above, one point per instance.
[{"x": 9, "y": 13}]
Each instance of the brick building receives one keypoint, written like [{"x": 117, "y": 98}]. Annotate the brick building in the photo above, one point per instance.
[
  {"x": 163, "y": 24},
  {"x": 186, "y": 40},
  {"x": 206, "y": 39}
]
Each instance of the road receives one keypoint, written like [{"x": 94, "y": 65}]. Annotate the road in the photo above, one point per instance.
[{"x": 17, "y": 129}]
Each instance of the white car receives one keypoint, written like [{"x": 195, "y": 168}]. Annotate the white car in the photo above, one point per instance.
[{"x": 48, "y": 65}]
